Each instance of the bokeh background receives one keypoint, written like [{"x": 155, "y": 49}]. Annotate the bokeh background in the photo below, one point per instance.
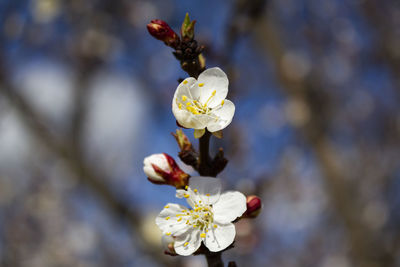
[{"x": 85, "y": 95}]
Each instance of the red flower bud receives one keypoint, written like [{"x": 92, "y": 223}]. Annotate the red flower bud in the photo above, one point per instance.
[
  {"x": 254, "y": 206},
  {"x": 162, "y": 31},
  {"x": 162, "y": 169}
]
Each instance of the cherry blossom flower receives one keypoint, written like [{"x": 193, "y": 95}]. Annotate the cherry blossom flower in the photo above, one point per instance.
[
  {"x": 201, "y": 103},
  {"x": 208, "y": 220}
]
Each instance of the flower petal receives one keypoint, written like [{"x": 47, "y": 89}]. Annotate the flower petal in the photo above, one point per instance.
[
  {"x": 185, "y": 118},
  {"x": 187, "y": 243},
  {"x": 224, "y": 114},
  {"x": 189, "y": 120},
  {"x": 180, "y": 193},
  {"x": 220, "y": 238},
  {"x": 229, "y": 206},
  {"x": 189, "y": 89},
  {"x": 213, "y": 79},
  {"x": 206, "y": 189},
  {"x": 150, "y": 172},
  {"x": 168, "y": 222}
]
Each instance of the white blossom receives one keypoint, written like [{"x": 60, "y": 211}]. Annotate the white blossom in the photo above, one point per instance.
[
  {"x": 208, "y": 220},
  {"x": 201, "y": 103}
]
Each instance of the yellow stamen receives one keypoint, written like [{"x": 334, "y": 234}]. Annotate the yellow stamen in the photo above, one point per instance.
[
  {"x": 196, "y": 205},
  {"x": 194, "y": 225},
  {"x": 193, "y": 110},
  {"x": 187, "y": 243},
  {"x": 168, "y": 233},
  {"x": 202, "y": 235},
  {"x": 186, "y": 195},
  {"x": 206, "y": 230},
  {"x": 184, "y": 98},
  {"x": 166, "y": 207},
  {"x": 222, "y": 102},
  {"x": 215, "y": 226},
  {"x": 200, "y": 201},
  {"x": 208, "y": 195},
  {"x": 188, "y": 104},
  {"x": 201, "y": 84},
  {"x": 167, "y": 218},
  {"x": 180, "y": 219},
  {"x": 180, "y": 105},
  {"x": 195, "y": 190},
  {"x": 208, "y": 100},
  {"x": 186, "y": 187},
  {"x": 185, "y": 82}
]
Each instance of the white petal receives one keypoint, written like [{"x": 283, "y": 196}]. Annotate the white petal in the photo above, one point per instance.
[
  {"x": 213, "y": 79},
  {"x": 208, "y": 189},
  {"x": 192, "y": 238},
  {"x": 225, "y": 115},
  {"x": 229, "y": 206},
  {"x": 187, "y": 119},
  {"x": 168, "y": 222},
  {"x": 220, "y": 238},
  {"x": 190, "y": 89},
  {"x": 180, "y": 193},
  {"x": 184, "y": 117},
  {"x": 160, "y": 161},
  {"x": 157, "y": 159},
  {"x": 150, "y": 172}
]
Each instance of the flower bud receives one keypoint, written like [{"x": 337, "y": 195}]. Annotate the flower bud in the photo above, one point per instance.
[
  {"x": 168, "y": 245},
  {"x": 254, "y": 206},
  {"x": 182, "y": 140},
  {"x": 162, "y": 31},
  {"x": 187, "y": 29},
  {"x": 162, "y": 169}
]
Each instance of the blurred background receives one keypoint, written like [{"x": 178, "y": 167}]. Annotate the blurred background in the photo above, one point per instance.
[{"x": 85, "y": 95}]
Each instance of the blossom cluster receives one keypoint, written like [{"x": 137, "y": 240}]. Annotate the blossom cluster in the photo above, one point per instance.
[
  {"x": 198, "y": 104},
  {"x": 202, "y": 105}
]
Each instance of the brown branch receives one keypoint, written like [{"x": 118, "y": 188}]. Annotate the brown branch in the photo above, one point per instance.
[{"x": 204, "y": 165}]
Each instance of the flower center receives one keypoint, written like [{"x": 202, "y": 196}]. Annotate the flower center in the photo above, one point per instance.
[
  {"x": 201, "y": 217},
  {"x": 195, "y": 106}
]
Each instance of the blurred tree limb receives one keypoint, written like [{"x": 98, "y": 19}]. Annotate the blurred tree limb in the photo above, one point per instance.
[
  {"x": 342, "y": 192},
  {"x": 68, "y": 146},
  {"x": 74, "y": 159}
]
